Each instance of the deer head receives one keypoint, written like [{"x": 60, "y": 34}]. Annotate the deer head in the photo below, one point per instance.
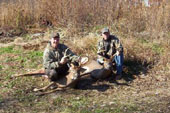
[
  {"x": 76, "y": 67},
  {"x": 75, "y": 71},
  {"x": 108, "y": 65}
]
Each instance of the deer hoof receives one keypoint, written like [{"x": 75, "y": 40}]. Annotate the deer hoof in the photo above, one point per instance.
[{"x": 36, "y": 89}]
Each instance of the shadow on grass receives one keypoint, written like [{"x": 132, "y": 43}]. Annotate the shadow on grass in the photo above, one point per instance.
[
  {"x": 99, "y": 85},
  {"x": 90, "y": 84},
  {"x": 135, "y": 68}
]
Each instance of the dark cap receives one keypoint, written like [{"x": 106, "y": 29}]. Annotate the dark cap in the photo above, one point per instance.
[
  {"x": 54, "y": 34},
  {"x": 105, "y": 30}
]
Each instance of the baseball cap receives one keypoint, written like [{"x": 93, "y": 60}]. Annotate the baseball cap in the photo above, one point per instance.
[{"x": 105, "y": 30}]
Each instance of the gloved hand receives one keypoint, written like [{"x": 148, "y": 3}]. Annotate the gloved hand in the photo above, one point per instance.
[
  {"x": 117, "y": 53},
  {"x": 64, "y": 60}
]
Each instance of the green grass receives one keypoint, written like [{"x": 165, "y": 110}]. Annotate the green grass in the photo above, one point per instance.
[
  {"x": 21, "y": 59},
  {"x": 35, "y": 54},
  {"x": 13, "y": 61},
  {"x": 28, "y": 59},
  {"x": 9, "y": 59},
  {"x": 79, "y": 103},
  {"x": 9, "y": 49},
  {"x": 157, "y": 48},
  {"x": 11, "y": 84},
  {"x": 58, "y": 101},
  {"x": 34, "y": 58},
  {"x": 1, "y": 67},
  {"x": 100, "y": 111},
  {"x": 27, "y": 37},
  {"x": 26, "y": 98}
]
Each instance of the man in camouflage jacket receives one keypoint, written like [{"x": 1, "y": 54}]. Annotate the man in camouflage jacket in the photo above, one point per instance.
[
  {"x": 108, "y": 46},
  {"x": 55, "y": 61}
]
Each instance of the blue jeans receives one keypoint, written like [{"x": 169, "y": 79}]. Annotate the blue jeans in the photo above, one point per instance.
[{"x": 119, "y": 63}]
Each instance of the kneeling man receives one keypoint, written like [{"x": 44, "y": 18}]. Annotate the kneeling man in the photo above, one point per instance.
[
  {"x": 55, "y": 61},
  {"x": 108, "y": 46}
]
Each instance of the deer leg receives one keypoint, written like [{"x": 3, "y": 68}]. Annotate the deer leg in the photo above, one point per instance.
[
  {"x": 62, "y": 87},
  {"x": 44, "y": 88},
  {"x": 52, "y": 91}
]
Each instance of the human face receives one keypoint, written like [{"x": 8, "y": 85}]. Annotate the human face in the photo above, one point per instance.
[
  {"x": 55, "y": 41},
  {"x": 106, "y": 35}
]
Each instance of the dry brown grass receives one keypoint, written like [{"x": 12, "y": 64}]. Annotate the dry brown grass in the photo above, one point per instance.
[
  {"x": 81, "y": 15},
  {"x": 84, "y": 45}
]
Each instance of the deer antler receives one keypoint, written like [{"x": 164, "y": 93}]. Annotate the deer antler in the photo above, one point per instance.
[
  {"x": 83, "y": 60},
  {"x": 65, "y": 53},
  {"x": 101, "y": 51}
]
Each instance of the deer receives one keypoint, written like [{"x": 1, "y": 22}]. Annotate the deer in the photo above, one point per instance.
[
  {"x": 76, "y": 73},
  {"x": 86, "y": 69},
  {"x": 68, "y": 80},
  {"x": 98, "y": 71}
]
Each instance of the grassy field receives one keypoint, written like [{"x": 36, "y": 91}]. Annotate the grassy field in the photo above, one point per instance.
[
  {"x": 143, "y": 88},
  {"x": 143, "y": 31}
]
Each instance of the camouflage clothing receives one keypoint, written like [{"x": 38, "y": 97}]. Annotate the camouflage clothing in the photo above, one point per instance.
[
  {"x": 52, "y": 57},
  {"x": 107, "y": 48}
]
